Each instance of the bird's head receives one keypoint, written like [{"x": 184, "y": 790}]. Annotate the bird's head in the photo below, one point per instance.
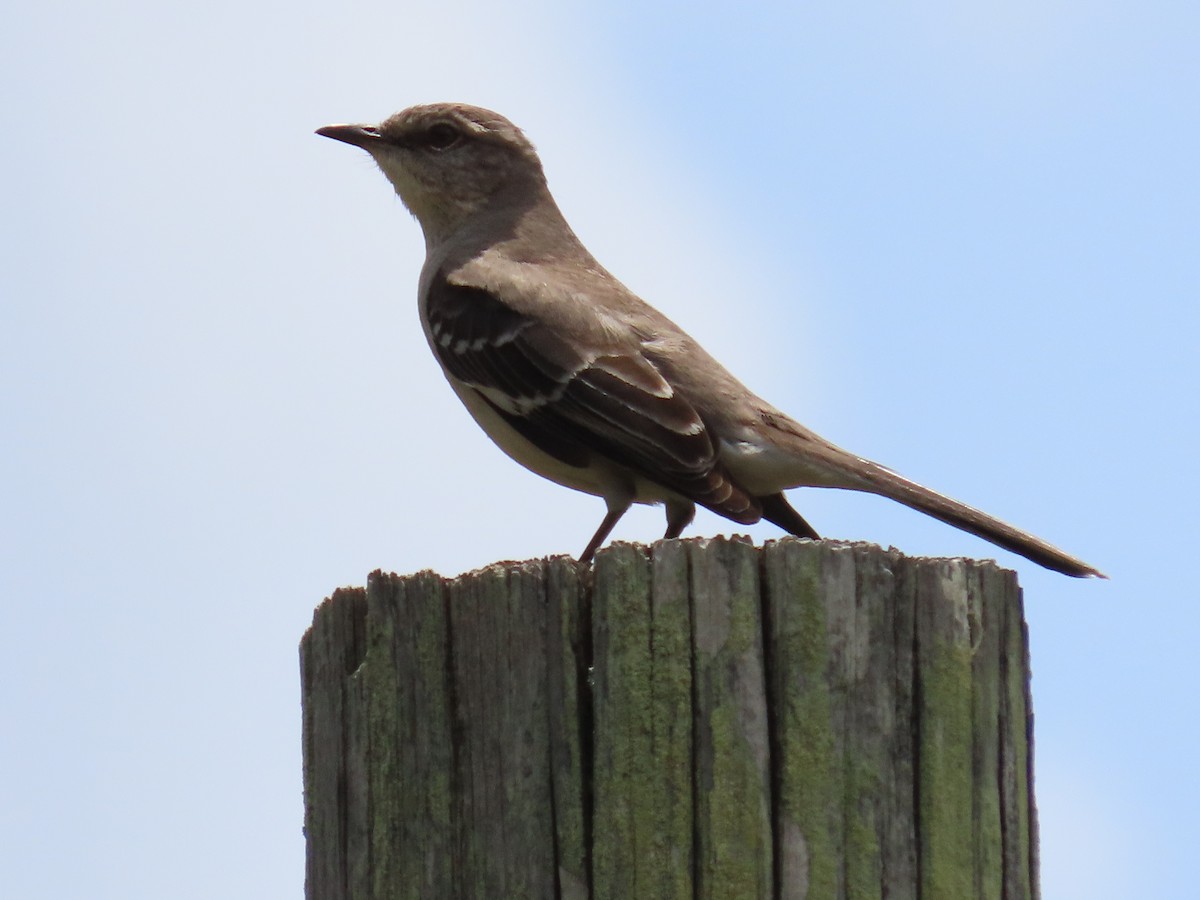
[{"x": 449, "y": 162}]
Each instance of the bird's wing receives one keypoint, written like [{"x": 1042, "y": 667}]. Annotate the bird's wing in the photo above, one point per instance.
[{"x": 574, "y": 397}]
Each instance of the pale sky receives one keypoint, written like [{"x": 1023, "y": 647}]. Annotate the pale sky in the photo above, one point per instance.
[{"x": 958, "y": 239}]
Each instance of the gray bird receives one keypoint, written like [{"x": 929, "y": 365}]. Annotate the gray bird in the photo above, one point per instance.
[{"x": 578, "y": 379}]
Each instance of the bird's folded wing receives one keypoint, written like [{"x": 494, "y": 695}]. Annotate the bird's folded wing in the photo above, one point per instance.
[{"x": 572, "y": 398}]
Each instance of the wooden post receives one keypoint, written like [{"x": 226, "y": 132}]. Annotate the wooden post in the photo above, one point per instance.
[{"x": 697, "y": 719}]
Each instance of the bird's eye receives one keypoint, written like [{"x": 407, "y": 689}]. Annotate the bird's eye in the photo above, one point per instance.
[{"x": 442, "y": 136}]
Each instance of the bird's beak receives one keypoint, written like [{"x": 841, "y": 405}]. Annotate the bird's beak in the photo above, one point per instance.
[{"x": 365, "y": 136}]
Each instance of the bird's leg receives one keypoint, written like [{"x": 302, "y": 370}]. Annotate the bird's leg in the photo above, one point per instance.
[
  {"x": 616, "y": 509},
  {"x": 679, "y": 516}
]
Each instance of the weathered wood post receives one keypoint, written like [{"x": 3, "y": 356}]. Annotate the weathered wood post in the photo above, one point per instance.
[{"x": 700, "y": 718}]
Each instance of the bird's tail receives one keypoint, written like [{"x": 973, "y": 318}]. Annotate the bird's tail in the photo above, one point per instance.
[{"x": 878, "y": 479}]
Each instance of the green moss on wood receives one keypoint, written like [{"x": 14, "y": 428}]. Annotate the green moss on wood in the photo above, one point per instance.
[
  {"x": 810, "y": 720},
  {"x": 809, "y": 773},
  {"x": 734, "y": 853},
  {"x": 945, "y": 736}
]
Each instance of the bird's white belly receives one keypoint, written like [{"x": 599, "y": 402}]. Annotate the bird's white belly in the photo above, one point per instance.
[{"x": 600, "y": 478}]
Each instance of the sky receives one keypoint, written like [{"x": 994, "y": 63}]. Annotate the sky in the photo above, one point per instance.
[{"x": 960, "y": 239}]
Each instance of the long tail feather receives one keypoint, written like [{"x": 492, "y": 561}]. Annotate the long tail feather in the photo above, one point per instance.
[{"x": 883, "y": 481}]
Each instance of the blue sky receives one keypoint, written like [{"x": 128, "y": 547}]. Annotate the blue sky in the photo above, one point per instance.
[{"x": 960, "y": 239}]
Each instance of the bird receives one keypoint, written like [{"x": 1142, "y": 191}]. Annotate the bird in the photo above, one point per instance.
[{"x": 581, "y": 381}]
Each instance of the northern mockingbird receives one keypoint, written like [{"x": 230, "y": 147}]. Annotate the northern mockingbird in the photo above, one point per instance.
[{"x": 578, "y": 379}]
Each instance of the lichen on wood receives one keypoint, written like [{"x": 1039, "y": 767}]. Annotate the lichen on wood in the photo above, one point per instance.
[{"x": 698, "y": 718}]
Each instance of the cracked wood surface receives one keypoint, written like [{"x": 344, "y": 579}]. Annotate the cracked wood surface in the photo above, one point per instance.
[{"x": 695, "y": 719}]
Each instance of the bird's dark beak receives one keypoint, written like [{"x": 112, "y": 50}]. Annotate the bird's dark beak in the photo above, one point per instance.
[{"x": 365, "y": 136}]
